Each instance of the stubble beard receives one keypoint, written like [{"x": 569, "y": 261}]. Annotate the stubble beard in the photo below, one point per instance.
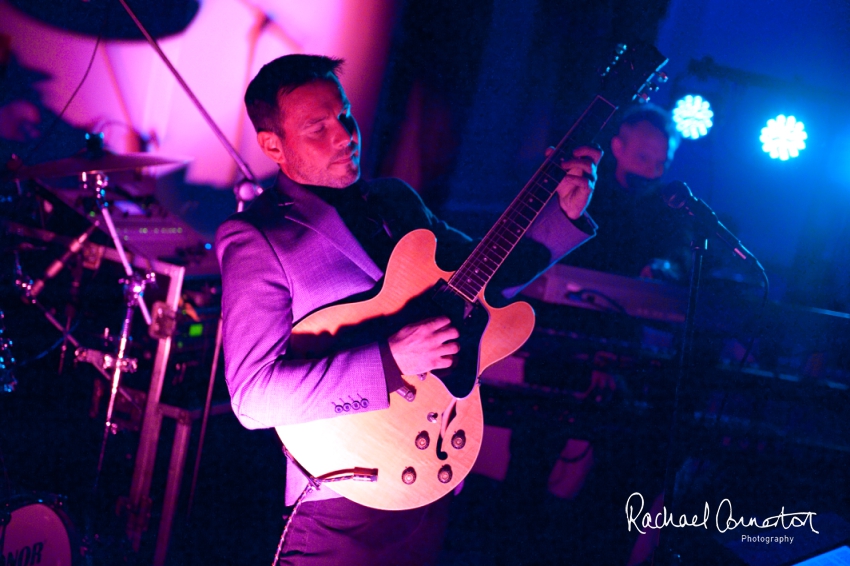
[{"x": 323, "y": 176}]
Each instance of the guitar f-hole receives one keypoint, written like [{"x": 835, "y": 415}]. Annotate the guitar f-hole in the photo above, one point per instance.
[
  {"x": 448, "y": 416},
  {"x": 440, "y": 454}
]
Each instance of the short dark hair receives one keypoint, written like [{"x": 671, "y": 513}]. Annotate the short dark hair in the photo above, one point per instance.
[
  {"x": 281, "y": 76},
  {"x": 656, "y": 116}
]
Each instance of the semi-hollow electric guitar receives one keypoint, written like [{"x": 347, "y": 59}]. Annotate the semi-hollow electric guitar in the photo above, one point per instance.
[{"x": 426, "y": 442}]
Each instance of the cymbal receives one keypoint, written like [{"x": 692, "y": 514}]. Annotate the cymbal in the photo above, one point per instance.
[{"x": 106, "y": 162}]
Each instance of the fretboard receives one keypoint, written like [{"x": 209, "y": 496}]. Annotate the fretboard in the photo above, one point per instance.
[{"x": 475, "y": 273}]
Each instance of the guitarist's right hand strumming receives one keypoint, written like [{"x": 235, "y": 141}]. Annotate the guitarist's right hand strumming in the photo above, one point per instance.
[{"x": 425, "y": 346}]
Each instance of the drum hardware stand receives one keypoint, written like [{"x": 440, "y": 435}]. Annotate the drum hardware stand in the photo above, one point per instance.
[
  {"x": 24, "y": 284},
  {"x": 242, "y": 194},
  {"x": 105, "y": 361},
  {"x": 137, "y": 505},
  {"x": 33, "y": 289},
  {"x": 134, "y": 288}
]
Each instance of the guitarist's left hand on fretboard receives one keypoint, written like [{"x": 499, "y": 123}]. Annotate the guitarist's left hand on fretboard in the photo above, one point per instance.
[{"x": 576, "y": 188}]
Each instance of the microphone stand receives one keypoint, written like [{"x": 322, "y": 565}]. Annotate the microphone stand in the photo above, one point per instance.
[{"x": 665, "y": 554}]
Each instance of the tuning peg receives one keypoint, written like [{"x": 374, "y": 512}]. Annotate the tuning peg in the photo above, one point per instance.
[
  {"x": 643, "y": 97},
  {"x": 662, "y": 77},
  {"x": 621, "y": 48}
]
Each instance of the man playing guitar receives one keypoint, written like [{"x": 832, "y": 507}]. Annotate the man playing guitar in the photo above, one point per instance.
[{"x": 323, "y": 236}]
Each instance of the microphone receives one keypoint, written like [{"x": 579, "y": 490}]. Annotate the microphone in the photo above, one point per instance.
[
  {"x": 54, "y": 268},
  {"x": 678, "y": 195}
]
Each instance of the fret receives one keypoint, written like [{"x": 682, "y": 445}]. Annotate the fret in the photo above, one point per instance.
[
  {"x": 483, "y": 269},
  {"x": 532, "y": 202},
  {"x": 476, "y": 281},
  {"x": 500, "y": 251},
  {"x": 540, "y": 198},
  {"x": 506, "y": 241},
  {"x": 495, "y": 248},
  {"x": 553, "y": 171},
  {"x": 549, "y": 181},
  {"x": 540, "y": 194},
  {"x": 492, "y": 259},
  {"x": 475, "y": 272},
  {"x": 517, "y": 213},
  {"x": 463, "y": 292},
  {"x": 519, "y": 219},
  {"x": 517, "y": 204},
  {"x": 510, "y": 226}
]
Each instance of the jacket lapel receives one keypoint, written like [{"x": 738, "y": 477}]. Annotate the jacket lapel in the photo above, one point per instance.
[{"x": 304, "y": 207}]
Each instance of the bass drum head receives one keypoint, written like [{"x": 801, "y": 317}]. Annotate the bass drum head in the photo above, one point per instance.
[{"x": 39, "y": 532}]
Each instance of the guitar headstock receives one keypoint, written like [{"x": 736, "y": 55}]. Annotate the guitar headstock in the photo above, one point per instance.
[{"x": 630, "y": 74}]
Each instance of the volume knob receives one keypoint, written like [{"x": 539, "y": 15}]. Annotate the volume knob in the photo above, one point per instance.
[
  {"x": 423, "y": 440},
  {"x": 458, "y": 440},
  {"x": 408, "y": 476}
]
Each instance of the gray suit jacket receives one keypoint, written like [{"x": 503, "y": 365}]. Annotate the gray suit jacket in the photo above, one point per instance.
[{"x": 291, "y": 254}]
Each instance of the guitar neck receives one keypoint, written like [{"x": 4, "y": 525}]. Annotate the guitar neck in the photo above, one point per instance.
[{"x": 475, "y": 273}]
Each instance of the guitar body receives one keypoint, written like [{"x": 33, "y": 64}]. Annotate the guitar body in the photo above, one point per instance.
[{"x": 389, "y": 443}]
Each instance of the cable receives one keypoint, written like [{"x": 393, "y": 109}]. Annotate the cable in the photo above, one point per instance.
[
  {"x": 307, "y": 489},
  {"x": 59, "y": 116},
  {"x": 49, "y": 349}
]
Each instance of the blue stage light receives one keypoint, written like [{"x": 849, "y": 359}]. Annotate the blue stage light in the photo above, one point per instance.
[
  {"x": 783, "y": 137},
  {"x": 693, "y": 116}
]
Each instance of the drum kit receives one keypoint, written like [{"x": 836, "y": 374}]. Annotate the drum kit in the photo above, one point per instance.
[{"x": 34, "y": 527}]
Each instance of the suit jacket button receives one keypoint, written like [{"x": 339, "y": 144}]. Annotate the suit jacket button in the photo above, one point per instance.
[
  {"x": 364, "y": 403},
  {"x": 355, "y": 405},
  {"x": 346, "y": 407}
]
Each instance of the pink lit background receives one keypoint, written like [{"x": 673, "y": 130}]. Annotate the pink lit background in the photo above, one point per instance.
[{"x": 130, "y": 95}]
